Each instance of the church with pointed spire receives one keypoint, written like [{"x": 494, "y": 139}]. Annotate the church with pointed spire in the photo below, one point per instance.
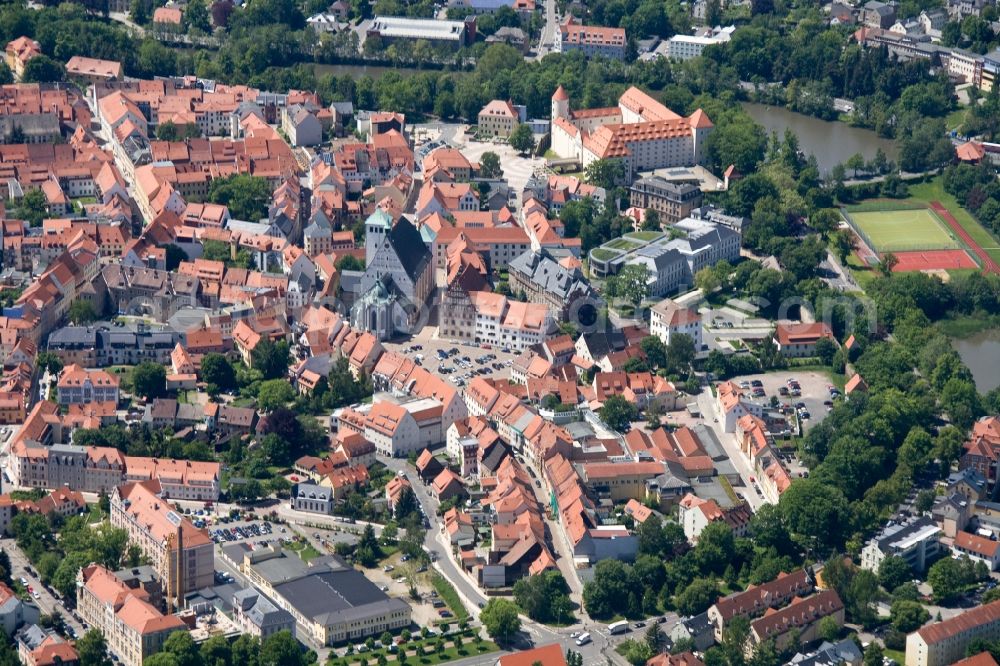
[
  {"x": 398, "y": 279},
  {"x": 640, "y": 131}
]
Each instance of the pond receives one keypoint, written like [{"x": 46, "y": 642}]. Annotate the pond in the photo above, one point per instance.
[
  {"x": 981, "y": 353},
  {"x": 832, "y": 142}
]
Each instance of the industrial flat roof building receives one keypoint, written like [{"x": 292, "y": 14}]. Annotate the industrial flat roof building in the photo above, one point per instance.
[
  {"x": 392, "y": 28},
  {"x": 330, "y": 600}
]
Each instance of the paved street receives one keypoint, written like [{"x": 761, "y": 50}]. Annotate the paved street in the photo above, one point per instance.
[
  {"x": 547, "y": 40},
  {"x": 706, "y": 403},
  {"x": 594, "y": 654},
  {"x": 47, "y": 602},
  {"x": 835, "y": 275}
]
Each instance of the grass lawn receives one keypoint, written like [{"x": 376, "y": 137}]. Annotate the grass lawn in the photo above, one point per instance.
[
  {"x": 305, "y": 550},
  {"x": 450, "y": 597},
  {"x": 863, "y": 275},
  {"x": 416, "y": 647},
  {"x": 901, "y": 230},
  {"x": 934, "y": 191},
  {"x": 602, "y": 254},
  {"x": 897, "y": 655},
  {"x": 955, "y": 119},
  {"x": 621, "y": 244},
  {"x": 645, "y": 235}
]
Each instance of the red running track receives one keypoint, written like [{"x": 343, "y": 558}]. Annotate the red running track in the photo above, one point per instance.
[{"x": 989, "y": 265}]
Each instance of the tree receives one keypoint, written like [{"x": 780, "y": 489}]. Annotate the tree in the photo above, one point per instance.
[
  {"x": 521, "y": 139},
  {"x": 82, "y": 312},
  {"x": 183, "y": 648},
  {"x": 489, "y": 165},
  {"x": 961, "y": 401},
  {"x": 697, "y": 597},
  {"x": 816, "y": 514},
  {"x": 544, "y": 598},
  {"x": 216, "y": 370},
  {"x": 893, "y": 572},
  {"x": 271, "y": 358},
  {"x": 49, "y": 361},
  {"x": 500, "y": 619},
  {"x": 139, "y": 12},
  {"x": 167, "y": 131},
  {"x": 221, "y": 10},
  {"x": 887, "y": 263},
  {"x": 828, "y": 629},
  {"x": 246, "y": 196},
  {"x": 908, "y": 616},
  {"x": 196, "y": 16},
  {"x": 216, "y": 651},
  {"x": 825, "y": 350},
  {"x": 874, "y": 655},
  {"x": 842, "y": 243},
  {"x": 631, "y": 283},
  {"x": 149, "y": 380},
  {"x": 43, "y": 69},
  {"x": 680, "y": 352},
  {"x": 654, "y": 637},
  {"x": 274, "y": 393},
  {"x": 651, "y": 220},
  {"x": 606, "y": 173},
  {"x": 618, "y": 413},
  {"x": 281, "y": 649},
  {"x": 855, "y": 163},
  {"x": 93, "y": 649},
  {"x": 32, "y": 208},
  {"x": 949, "y": 578}
]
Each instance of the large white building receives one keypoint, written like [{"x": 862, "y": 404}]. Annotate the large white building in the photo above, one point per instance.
[
  {"x": 672, "y": 263},
  {"x": 918, "y": 541},
  {"x": 667, "y": 318},
  {"x": 686, "y": 47},
  {"x": 502, "y": 322},
  {"x": 640, "y": 131}
]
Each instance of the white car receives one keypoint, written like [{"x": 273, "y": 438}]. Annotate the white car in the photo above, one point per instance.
[{"x": 36, "y": 595}]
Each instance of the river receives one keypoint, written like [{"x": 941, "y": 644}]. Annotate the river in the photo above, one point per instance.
[
  {"x": 981, "y": 353},
  {"x": 831, "y": 142}
]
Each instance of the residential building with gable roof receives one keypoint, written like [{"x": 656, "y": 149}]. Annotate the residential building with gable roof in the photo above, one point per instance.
[
  {"x": 182, "y": 554},
  {"x": 132, "y": 627},
  {"x": 945, "y": 642},
  {"x": 800, "y": 618}
]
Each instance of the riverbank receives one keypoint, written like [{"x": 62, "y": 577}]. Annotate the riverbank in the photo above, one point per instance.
[{"x": 960, "y": 328}]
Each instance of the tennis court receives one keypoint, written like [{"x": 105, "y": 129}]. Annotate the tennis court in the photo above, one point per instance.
[
  {"x": 903, "y": 230},
  {"x": 933, "y": 260}
]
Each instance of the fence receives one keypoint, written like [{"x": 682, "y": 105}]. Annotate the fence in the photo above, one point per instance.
[{"x": 896, "y": 246}]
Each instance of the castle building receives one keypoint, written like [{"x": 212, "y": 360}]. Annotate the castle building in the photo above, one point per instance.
[{"x": 640, "y": 131}]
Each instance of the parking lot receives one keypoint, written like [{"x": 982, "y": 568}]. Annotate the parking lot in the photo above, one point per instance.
[
  {"x": 427, "y": 349},
  {"x": 234, "y": 531},
  {"x": 810, "y": 406}
]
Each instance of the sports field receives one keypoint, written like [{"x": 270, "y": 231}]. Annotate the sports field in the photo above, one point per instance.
[{"x": 903, "y": 230}]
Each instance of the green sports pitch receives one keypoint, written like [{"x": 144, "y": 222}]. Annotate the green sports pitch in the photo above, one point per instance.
[{"x": 903, "y": 230}]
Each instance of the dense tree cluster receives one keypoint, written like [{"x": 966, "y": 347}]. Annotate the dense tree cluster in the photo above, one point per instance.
[
  {"x": 59, "y": 559},
  {"x": 279, "y": 649},
  {"x": 977, "y": 189}
]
